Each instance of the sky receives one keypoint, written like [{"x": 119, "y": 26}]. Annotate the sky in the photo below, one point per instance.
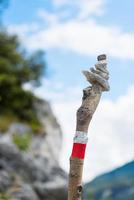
[{"x": 73, "y": 33}]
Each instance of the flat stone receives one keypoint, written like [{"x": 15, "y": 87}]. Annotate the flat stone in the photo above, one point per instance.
[{"x": 102, "y": 57}]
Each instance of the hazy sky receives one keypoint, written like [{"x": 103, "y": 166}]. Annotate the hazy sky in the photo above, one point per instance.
[{"x": 73, "y": 33}]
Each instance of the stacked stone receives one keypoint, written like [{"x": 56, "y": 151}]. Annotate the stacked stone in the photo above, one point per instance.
[{"x": 100, "y": 76}]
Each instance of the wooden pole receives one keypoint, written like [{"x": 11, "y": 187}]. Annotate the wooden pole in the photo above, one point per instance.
[{"x": 98, "y": 77}]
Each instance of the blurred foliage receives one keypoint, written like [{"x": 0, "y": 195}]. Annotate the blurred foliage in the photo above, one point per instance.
[
  {"x": 22, "y": 141},
  {"x": 4, "y": 196},
  {"x": 5, "y": 121},
  {"x": 16, "y": 69}
]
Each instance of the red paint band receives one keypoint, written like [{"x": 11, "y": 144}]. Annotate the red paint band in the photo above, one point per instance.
[{"x": 78, "y": 150}]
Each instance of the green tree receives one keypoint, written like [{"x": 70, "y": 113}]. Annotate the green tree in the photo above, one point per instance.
[{"x": 17, "y": 68}]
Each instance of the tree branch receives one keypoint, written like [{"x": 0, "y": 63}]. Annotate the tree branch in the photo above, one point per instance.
[{"x": 98, "y": 77}]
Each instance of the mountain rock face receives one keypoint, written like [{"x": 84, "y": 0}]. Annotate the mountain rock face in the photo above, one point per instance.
[
  {"x": 115, "y": 185},
  {"x": 34, "y": 174}
]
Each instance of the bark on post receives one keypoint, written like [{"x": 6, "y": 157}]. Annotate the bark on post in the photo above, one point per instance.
[{"x": 98, "y": 77}]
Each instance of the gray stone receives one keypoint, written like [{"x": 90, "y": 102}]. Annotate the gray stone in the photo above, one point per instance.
[
  {"x": 19, "y": 128},
  {"x": 21, "y": 163},
  {"x": 24, "y": 192},
  {"x": 35, "y": 174},
  {"x": 102, "y": 57},
  {"x": 54, "y": 189},
  {"x": 5, "y": 181},
  {"x": 51, "y": 141}
]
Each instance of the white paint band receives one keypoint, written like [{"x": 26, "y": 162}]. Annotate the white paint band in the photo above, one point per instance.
[{"x": 80, "y": 137}]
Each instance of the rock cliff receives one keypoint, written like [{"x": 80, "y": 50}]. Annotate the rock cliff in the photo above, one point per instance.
[{"x": 33, "y": 174}]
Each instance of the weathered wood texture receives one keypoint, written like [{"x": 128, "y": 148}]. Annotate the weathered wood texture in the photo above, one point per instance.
[{"x": 98, "y": 78}]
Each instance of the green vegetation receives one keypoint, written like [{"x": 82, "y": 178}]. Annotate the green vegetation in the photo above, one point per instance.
[
  {"x": 22, "y": 141},
  {"x": 5, "y": 121},
  {"x": 4, "y": 196},
  {"x": 115, "y": 185},
  {"x": 16, "y": 69}
]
